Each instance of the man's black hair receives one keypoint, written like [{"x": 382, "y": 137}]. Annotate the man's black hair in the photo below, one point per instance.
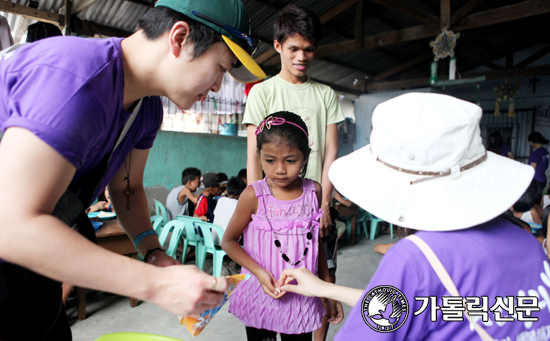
[
  {"x": 159, "y": 20},
  {"x": 222, "y": 177},
  {"x": 287, "y": 133},
  {"x": 189, "y": 174},
  {"x": 235, "y": 185},
  {"x": 297, "y": 19}
]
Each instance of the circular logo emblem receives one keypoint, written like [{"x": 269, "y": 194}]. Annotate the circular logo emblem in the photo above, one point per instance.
[{"x": 384, "y": 309}]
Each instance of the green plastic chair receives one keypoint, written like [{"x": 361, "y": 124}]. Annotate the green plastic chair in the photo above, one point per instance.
[
  {"x": 191, "y": 237},
  {"x": 374, "y": 222},
  {"x": 161, "y": 211},
  {"x": 135, "y": 337},
  {"x": 217, "y": 252},
  {"x": 156, "y": 220},
  {"x": 360, "y": 223},
  {"x": 176, "y": 227}
]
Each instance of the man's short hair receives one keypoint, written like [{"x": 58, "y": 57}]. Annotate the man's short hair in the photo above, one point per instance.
[
  {"x": 235, "y": 185},
  {"x": 160, "y": 20},
  {"x": 297, "y": 19},
  {"x": 189, "y": 174}
]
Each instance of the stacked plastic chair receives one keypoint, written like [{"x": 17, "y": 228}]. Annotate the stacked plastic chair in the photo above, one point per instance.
[
  {"x": 191, "y": 237},
  {"x": 374, "y": 222},
  {"x": 209, "y": 247},
  {"x": 177, "y": 228},
  {"x": 161, "y": 211}
]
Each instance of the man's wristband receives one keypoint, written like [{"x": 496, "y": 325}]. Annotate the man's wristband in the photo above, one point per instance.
[
  {"x": 143, "y": 235},
  {"x": 150, "y": 252}
]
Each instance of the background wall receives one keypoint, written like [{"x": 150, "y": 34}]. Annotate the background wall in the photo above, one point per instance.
[{"x": 174, "y": 151}]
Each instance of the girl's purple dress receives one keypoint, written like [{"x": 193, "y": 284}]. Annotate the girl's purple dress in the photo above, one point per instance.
[{"x": 290, "y": 221}]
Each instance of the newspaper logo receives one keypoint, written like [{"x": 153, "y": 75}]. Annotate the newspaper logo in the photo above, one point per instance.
[{"x": 385, "y": 309}]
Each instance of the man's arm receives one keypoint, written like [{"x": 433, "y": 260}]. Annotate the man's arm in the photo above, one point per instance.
[
  {"x": 186, "y": 192},
  {"x": 33, "y": 238},
  {"x": 253, "y": 164},
  {"x": 331, "y": 151},
  {"x": 136, "y": 219}
]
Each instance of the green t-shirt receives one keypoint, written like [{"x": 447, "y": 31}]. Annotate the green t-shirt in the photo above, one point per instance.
[{"x": 315, "y": 103}]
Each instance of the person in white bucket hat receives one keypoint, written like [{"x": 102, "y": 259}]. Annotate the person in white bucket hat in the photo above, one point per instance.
[{"x": 426, "y": 169}]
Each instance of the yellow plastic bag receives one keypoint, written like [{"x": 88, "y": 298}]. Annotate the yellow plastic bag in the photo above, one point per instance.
[{"x": 195, "y": 323}]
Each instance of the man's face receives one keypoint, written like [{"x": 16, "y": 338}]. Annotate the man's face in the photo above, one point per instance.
[
  {"x": 191, "y": 79},
  {"x": 297, "y": 53},
  {"x": 193, "y": 184},
  {"x": 216, "y": 190}
]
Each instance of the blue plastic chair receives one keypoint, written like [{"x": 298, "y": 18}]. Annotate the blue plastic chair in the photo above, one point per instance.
[
  {"x": 360, "y": 223},
  {"x": 161, "y": 211},
  {"x": 191, "y": 237},
  {"x": 125, "y": 336},
  {"x": 374, "y": 222},
  {"x": 217, "y": 252},
  {"x": 176, "y": 227}
]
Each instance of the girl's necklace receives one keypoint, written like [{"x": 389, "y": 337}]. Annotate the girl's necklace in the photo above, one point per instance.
[{"x": 277, "y": 242}]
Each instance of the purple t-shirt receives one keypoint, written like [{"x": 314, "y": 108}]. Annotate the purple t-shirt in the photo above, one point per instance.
[
  {"x": 493, "y": 259},
  {"x": 505, "y": 149},
  {"x": 68, "y": 91},
  {"x": 540, "y": 157}
]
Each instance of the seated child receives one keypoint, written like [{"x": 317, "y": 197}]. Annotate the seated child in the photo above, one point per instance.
[
  {"x": 177, "y": 202},
  {"x": 205, "y": 204},
  {"x": 226, "y": 205}
]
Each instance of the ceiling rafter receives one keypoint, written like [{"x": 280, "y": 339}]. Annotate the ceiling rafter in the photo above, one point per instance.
[{"x": 409, "y": 11}]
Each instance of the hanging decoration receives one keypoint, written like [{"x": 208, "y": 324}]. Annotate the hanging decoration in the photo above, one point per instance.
[
  {"x": 443, "y": 47},
  {"x": 505, "y": 92}
]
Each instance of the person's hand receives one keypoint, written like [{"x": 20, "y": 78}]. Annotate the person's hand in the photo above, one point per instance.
[
  {"x": 326, "y": 222},
  {"x": 203, "y": 218},
  {"x": 184, "y": 289},
  {"x": 159, "y": 258},
  {"x": 335, "y": 311},
  {"x": 308, "y": 283},
  {"x": 269, "y": 284}
]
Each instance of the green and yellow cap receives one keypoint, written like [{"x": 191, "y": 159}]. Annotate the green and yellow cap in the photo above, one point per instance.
[{"x": 230, "y": 19}]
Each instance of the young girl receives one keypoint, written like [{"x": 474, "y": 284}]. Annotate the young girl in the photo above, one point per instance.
[{"x": 279, "y": 217}]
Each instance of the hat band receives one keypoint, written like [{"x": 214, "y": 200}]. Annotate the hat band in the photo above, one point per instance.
[{"x": 433, "y": 175}]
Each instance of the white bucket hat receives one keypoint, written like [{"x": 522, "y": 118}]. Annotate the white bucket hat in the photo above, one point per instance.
[{"x": 426, "y": 167}]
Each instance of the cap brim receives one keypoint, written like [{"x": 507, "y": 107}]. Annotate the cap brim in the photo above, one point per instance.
[
  {"x": 249, "y": 71},
  {"x": 478, "y": 195}
]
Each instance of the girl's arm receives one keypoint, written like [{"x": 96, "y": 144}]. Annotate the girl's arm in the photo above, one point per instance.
[{"x": 230, "y": 243}]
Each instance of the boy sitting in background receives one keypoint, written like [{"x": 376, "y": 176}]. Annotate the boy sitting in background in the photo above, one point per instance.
[
  {"x": 177, "y": 202},
  {"x": 206, "y": 203},
  {"x": 226, "y": 205}
]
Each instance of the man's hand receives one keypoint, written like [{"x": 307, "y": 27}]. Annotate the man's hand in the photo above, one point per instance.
[
  {"x": 326, "y": 222},
  {"x": 184, "y": 289},
  {"x": 269, "y": 284},
  {"x": 335, "y": 311}
]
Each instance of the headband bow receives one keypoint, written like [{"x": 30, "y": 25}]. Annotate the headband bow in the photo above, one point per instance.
[{"x": 275, "y": 121}]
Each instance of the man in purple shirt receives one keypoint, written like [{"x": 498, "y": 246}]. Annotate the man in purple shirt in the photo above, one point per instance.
[
  {"x": 539, "y": 158},
  {"x": 431, "y": 173},
  {"x": 65, "y": 101}
]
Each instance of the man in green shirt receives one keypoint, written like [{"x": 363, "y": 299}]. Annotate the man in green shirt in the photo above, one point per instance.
[{"x": 296, "y": 33}]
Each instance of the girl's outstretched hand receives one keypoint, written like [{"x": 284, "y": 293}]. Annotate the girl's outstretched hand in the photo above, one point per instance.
[
  {"x": 270, "y": 284},
  {"x": 336, "y": 312},
  {"x": 308, "y": 283}
]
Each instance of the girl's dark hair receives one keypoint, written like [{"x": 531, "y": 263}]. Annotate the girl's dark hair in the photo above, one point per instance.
[
  {"x": 528, "y": 199},
  {"x": 537, "y": 137},
  {"x": 159, "y": 20},
  {"x": 297, "y": 19},
  {"x": 189, "y": 174},
  {"x": 287, "y": 133}
]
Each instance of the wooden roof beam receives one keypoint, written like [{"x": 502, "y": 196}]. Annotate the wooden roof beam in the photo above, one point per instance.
[
  {"x": 445, "y": 6},
  {"x": 405, "y": 66},
  {"x": 534, "y": 57},
  {"x": 504, "y": 14},
  {"x": 29, "y": 12},
  {"x": 464, "y": 10},
  {"x": 409, "y": 11}
]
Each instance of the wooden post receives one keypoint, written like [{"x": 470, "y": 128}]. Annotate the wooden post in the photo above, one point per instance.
[
  {"x": 359, "y": 24},
  {"x": 446, "y": 14}
]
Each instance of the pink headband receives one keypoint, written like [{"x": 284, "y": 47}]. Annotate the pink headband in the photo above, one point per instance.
[{"x": 276, "y": 121}]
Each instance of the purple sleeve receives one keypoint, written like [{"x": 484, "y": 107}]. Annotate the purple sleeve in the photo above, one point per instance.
[
  {"x": 535, "y": 156},
  {"x": 58, "y": 108},
  {"x": 154, "y": 113},
  {"x": 396, "y": 270},
  {"x": 504, "y": 150}
]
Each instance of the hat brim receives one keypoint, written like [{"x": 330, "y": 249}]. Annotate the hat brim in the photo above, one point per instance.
[
  {"x": 249, "y": 71},
  {"x": 478, "y": 195}
]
